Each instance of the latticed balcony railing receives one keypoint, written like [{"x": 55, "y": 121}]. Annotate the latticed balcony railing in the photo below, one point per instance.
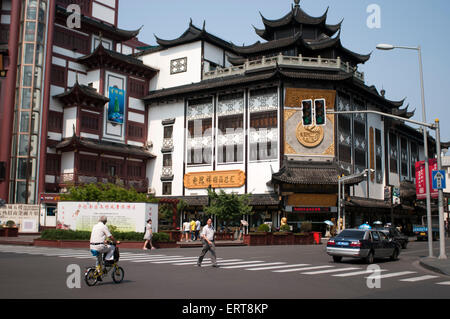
[
  {"x": 282, "y": 60},
  {"x": 71, "y": 179}
]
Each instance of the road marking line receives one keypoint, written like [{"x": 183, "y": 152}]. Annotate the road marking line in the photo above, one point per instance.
[
  {"x": 396, "y": 274},
  {"x": 414, "y": 279},
  {"x": 158, "y": 259},
  {"x": 205, "y": 262},
  {"x": 243, "y": 266},
  {"x": 277, "y": 267},
  {"x": 138, "y": 257},
  {"x": 239, "y": 263},
  {"x": 176, "y": 260},
  {"x": 301, "y": 269},
  {"x": 328, "y": 271},
  {"x": 364, "y": 272},
  {"x": 444, "y": 283}
]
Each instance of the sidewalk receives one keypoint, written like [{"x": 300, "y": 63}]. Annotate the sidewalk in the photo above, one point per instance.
[
  {"x": 441, "y": 266},
  {"x": 22, "y": 240}
]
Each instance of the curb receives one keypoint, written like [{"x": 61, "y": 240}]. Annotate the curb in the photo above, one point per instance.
[
  {"x": 16, "y": 243},
  {"x": 433, "y": 268}
]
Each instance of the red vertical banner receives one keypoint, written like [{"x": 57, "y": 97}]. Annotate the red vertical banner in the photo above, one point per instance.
[{"x": 421, "y": 190}]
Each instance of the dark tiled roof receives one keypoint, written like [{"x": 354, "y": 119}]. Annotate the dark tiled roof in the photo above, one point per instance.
[
  {"x": 102, "y": 55},
  {"x": 367, "y": 202},
  {"x": 311, "y": 173},
  {"x": 192, "y": 34},
  {"x": 82, "y": 93},
  {"x": 244, "y": 79},
  {"x": 77, "y": 142},
  {"x": 307, "y": 47},
  {"x": 109, "y": 30}
]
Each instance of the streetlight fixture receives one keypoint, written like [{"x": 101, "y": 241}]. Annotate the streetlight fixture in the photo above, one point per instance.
[{"x": 387, "y": 47}]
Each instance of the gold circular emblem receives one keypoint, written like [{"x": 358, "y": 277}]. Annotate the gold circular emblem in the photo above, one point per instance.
[{"x": 310, "y": 136}]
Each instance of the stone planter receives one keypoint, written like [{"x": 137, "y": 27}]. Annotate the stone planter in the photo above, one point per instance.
[
  {"x": 166, "y": 244},
  {"x": 9, "y": 232},
  {"x": 224, "y": 236},
  {"x": 260, "y": 239},
  {"x": 255, "y": 239}
]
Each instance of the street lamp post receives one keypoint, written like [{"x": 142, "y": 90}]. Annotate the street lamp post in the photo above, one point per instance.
[{"x": 425, "y": 138}]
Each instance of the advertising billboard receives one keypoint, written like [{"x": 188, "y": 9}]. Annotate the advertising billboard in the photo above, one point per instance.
[
  {"x": 127, "y": 217},
  {"x": 420, "y": 179},
  {"x": 116, "y": 106}
]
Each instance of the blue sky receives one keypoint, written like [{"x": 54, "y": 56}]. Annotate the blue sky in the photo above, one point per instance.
[{"x": 403, "y": 22}]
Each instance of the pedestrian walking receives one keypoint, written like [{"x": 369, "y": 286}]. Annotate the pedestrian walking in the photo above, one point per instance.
[
  {"x": 207, "y": 236},
  {"x": 148, "y": 235},
  {"x": 242, "y": 229},
  {"x": 198, "y": 225},
  {"x": 192, "y": 229},
  {"x": 186, "y": 229}
]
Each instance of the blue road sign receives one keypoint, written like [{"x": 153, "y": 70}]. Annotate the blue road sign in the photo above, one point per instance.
[{"x": 438, "y": 179}]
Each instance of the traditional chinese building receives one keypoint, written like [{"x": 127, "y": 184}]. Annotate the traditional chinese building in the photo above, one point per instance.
[
  {"x": 71, "y": 110},
  {"x": 252, "y": 119}
]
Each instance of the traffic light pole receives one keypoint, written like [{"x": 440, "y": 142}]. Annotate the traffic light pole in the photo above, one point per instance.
[{"x": 438, "y": 146}]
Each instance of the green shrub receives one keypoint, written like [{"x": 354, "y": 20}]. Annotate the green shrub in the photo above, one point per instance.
[
  {"x": 285, "y": 228},
  {"x": 306, "y": 227},
  {"x": 263, "y": 228},
  {"x": 59, "y": 234}
]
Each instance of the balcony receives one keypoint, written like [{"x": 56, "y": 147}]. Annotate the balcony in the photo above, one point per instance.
[
  {"x": 71, "y": 179},
  {"x": 285, "y": 61}
]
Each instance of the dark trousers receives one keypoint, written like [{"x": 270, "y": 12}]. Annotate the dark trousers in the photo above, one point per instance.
[{"x": 207, "y": 247}]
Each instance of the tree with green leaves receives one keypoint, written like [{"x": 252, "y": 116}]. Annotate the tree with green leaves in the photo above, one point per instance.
[
  {"x": 228, "y": 207},
  {"x": 105, "y": 193}
]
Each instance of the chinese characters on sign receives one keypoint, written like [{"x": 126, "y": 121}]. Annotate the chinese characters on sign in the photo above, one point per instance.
[
  {"x": 420, "y": 179},
  {"x": 26, "y": 217},
  {"x": 218, "y": 179}
]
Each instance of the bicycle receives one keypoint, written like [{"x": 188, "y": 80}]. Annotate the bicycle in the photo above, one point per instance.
[{"x": 94, "y": 274}]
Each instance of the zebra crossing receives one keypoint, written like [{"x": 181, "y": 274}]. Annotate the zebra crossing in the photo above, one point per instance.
[{"x": 280, "y": 267}]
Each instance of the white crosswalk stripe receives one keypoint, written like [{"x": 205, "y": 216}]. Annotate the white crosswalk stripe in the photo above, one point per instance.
[
  {"x": 319, "y": 272},
  {"x": 396, "y": 274},
  {"x": 301, "y": 269},
  {"x": 171, "y": 261},
  {"x": 205, "y": 262},
  {"x": 444, "y": 283},
  {"x": 241, "y": 263},
  {"x": 421, "y": 278},
  {"x": 254, "y": 265},
  {"x": 143, "y": 260},
  {"x": 357, "y": 273},
  {"x": 277, "y": 267}
]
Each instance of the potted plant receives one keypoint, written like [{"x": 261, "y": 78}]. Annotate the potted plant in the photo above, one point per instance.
[{"x": 11, "y": 229}]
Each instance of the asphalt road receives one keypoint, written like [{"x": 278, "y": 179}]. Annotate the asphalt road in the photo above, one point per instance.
[{"x": 269, "y": 272}]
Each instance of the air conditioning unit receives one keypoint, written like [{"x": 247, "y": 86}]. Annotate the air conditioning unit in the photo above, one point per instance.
[{"x": 151, "y": 191}]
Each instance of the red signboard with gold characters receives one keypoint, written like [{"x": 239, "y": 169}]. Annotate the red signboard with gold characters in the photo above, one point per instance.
[{"x": 217, "y": 179}]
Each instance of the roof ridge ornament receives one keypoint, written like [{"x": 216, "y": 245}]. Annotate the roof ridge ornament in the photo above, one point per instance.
[{"x": 297, "y": 3}]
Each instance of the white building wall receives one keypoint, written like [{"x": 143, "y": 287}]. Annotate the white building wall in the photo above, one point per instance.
[
  {"x": 213, "y": 54},
  {"x": 70, "y": 121},
  {"x": 94, "y": 78},
  {"x": 156, "y": 114},
  {"x": 161, "y": 61},
  {"x": 67, "y": 162},
  {"x": 103, "y": 13}
]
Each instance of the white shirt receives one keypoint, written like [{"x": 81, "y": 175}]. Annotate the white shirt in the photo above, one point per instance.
[
  {"x": 99, "y": 233},
  {"x": 208, "y": 232},
  {"x": 197, "y": 223},
  {"x": 187, "y": 226}
]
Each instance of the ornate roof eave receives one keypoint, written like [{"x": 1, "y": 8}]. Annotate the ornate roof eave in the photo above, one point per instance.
[
  {"x": 193, "y": 34},
  {"x": 259, "y": 47},
  {"x": 83, "y": 96},
  {"x": 238, "y": 80},
  {"x": 108, "y": 30},
  {"x": 76, "y": 142},
  {"x": 102, "y": 57},
  {"x": 389, "y": 104},
  {"x": 296, "y": 14},
  {"x": 404, "y": 112}
]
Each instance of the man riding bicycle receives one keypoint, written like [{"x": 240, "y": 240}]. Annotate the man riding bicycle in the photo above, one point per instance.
[{"x": 100, "y": 234}]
